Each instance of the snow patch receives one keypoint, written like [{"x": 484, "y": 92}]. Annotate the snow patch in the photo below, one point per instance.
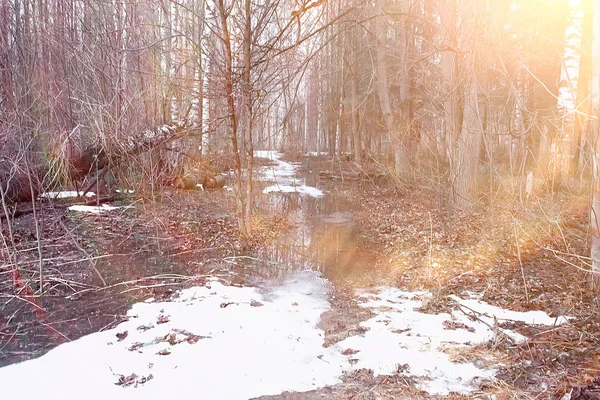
[
  {"x": 217, "y": 342},
  {"x": 269, "y": 154},
  {"x": 282, "y": 173},
  {"x": 401, "y": 338},
  {"x": 64, "y": 194},
  {"x": 230, "y": 342},
  {"x": 93, "y": 209},
  {"x": 487, "y": 312},
  {"x": 302, "y": 189}
]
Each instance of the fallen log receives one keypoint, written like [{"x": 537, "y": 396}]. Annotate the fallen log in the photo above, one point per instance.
[
  {"x": 190, "y": 182},
  {"x": 214, "y": 182}
]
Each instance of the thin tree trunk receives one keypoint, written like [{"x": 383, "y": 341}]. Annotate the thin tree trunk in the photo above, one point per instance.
[
  {"x": 396, "y": 129},
  {"x": 232, "y": 117},
  {"x": 248, "y": 118},
  {"x": 583, "y": 81},
  {"x": 595, "y": 137},
  {"x": 355, "y": 115},
  {"x": 468, "y": 146}
]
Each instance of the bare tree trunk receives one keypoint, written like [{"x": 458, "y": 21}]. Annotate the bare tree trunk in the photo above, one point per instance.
[
  {"x": 198, "y": 98},
  {"x": 232, "y": 117},
  {"x": 595, "y": 137},
  {"x": 396, "y": 129},
  {"x": 464, "y": 136},
  {"x": 313, "y": 107},
  {"x": 248, "y": 118},
  {"x": 166, "y": 62},
  {"x": 356, "y": 144},
  {"x": 468, "y": 146},
  {"x": 583, "y": 81},
  {"x": 449, "y": 70}
]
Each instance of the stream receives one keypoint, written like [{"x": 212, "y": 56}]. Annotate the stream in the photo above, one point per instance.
[
  {"x": 245, "y": 341},
  {"x": 325, "y": 235}
]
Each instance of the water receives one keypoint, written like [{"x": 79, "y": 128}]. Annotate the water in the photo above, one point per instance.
[{"x": 325, "y": 235}]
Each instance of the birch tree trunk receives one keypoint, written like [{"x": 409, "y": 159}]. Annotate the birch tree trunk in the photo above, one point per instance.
[
  {"x": 197, "y": 117},
  {"x": 564, "y": 144}
]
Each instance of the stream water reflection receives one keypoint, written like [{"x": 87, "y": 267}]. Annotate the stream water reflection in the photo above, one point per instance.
[{"x": 325, "y": 237}]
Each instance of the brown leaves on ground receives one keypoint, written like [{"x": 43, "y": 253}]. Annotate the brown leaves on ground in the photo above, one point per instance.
[{"x": 528, "y": 260}]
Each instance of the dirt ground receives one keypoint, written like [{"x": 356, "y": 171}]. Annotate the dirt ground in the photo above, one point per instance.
[{"x": 97, "y": 265}]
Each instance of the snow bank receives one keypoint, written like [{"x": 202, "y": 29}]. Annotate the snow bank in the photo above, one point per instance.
[
  {"x": 488, "y": 312},
  {"x": 269, "y": 154}
]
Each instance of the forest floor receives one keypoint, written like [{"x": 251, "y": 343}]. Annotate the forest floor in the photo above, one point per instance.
[
  {"x": 529, "y": 260},
  {"x": 97, "y": 265}
]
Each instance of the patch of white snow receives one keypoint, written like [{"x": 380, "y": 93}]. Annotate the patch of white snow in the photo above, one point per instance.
[
  {"x": 64, "y": 194},
  {"x": 302, "y": 189},
  {"x": 489, "y": 311},
  {"x": 93, "y": 209},
  {"x": 217, "y": 341},
  {"x": 282, "y": 173},
  {"x": 225, "y": 342},
  {"x": 402, "y": 338}
]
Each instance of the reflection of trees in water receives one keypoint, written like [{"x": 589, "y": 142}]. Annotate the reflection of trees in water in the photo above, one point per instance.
[
  {"x": 332, "y": 249},
  {"x": 289, "y": 252}
]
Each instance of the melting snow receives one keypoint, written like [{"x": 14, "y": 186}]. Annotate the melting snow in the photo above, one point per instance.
[
  {"x": 283, "y": 173},
  {"x": 269, "y": 154},
  {"x": 400, "y": 336},
  {"x": 225, "y": 342},
  {"x": 65, "y": 194},
  {"x": 93, "y": 209},
  {"x": 488, "y": 312},
  {"x": 303, "y": 190},
  {"x": 249, "y": 343}
]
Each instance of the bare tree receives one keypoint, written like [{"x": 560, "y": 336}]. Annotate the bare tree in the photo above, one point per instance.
[{"x": 595, "y": 137}]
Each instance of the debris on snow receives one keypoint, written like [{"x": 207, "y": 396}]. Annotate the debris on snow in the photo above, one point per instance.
[{"x": 401, "y": 335}]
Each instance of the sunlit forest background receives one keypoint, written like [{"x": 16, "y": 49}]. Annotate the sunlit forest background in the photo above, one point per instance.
[{"x": 482, "y": 103}]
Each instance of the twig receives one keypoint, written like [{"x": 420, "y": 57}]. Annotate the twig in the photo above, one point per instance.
[{"x": 520, "y": 260}]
